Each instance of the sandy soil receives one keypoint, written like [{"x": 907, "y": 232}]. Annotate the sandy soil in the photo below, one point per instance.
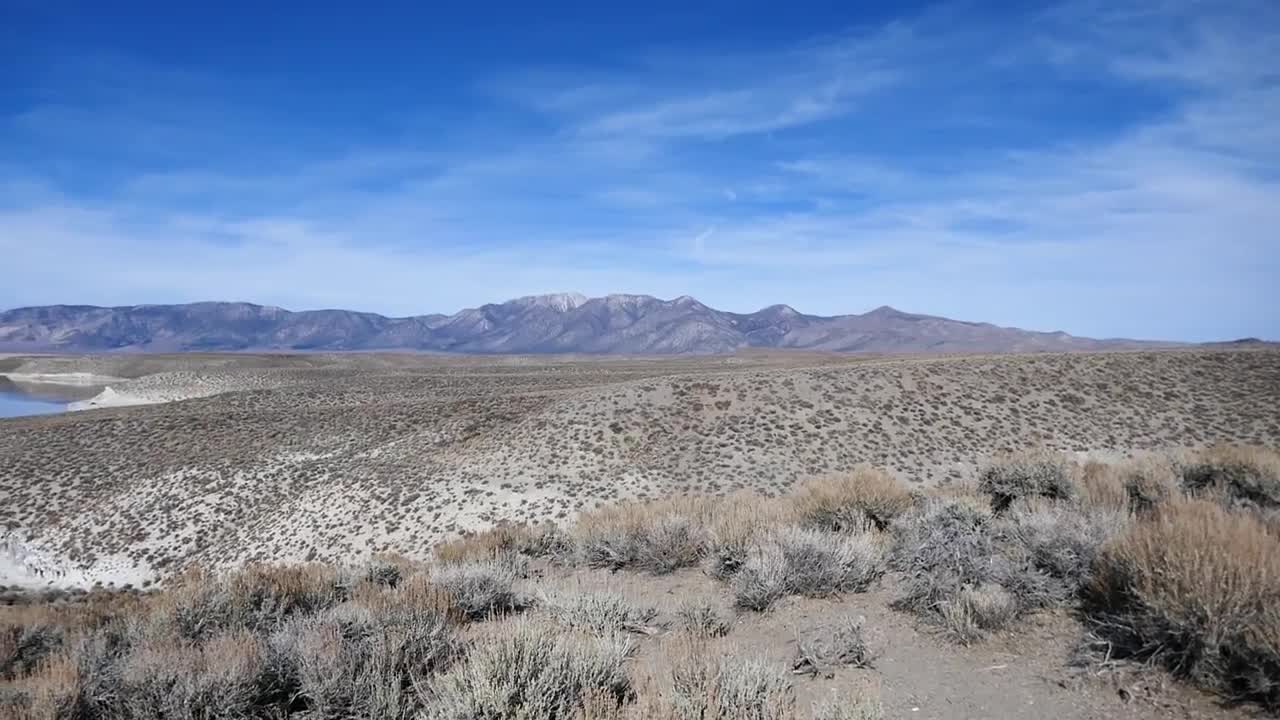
[{"x": 1021, "y": 673}]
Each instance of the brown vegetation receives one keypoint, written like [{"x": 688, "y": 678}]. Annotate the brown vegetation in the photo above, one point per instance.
[{"x": 1192, "y": 584}]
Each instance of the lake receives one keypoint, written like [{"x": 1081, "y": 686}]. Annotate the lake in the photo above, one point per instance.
[{"x": 17, "y": 404}]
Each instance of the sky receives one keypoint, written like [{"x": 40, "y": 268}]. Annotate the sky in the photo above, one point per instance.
[{"x": 1107, "y": 168}]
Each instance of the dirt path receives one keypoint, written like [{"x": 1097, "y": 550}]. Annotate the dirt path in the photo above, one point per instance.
[{"x": 918, "y": 675}]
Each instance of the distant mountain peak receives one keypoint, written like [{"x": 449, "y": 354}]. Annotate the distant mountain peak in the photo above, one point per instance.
[
  {"x": 556, "y": 301},
  {"x": 780, "y": 309},
  {"x": 619, "y": 323},
  {"x": 884, "y": 310},
  {"x": 625, "y": 299}
]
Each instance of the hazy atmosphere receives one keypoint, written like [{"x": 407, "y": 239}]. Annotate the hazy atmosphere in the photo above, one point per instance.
[{"x": 1107, "y": 169}]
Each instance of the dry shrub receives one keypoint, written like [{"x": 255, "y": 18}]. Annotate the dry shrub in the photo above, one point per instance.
[
  {"x": 1062, "y": 539},
  {"x": 798, "y": 561},
  {"x": 659, "y": 537},
  {"x": 973, "y": 611},
  {"x": 703, "y": 620},
  {"x": 735, "y": 524},
  {"x": 532, "y": 672},
  {"x": 951, "y": 552},
  {"x": 385, "y": 571},
  {"x": 1138, "y": 486},
  {"x": 225, "y": 648},
  {"x": 259, "y": 598},
  {"x": 1149, "y": 483},
  {"x": 225, "y": 677},
  {"x": 23, "y": 646},
  {"x": 503, "y": 540},
  {"x": 1247, "y": 476},
  {"x": 600, "y": 613},
  {"x": 81, "y": 681},
  {"x": 480, "y": 589},
  {"x": 845, "y": 645},
  {"x": 354, "y": 661},
  {"x": 707, "y": 687},
  {"x": 1197, "y": 589},
  {"x": 31, "y": 633},
  {"x": 941, "y": 547},
  {"x": 1027, "y": 474},
  {"x": 866, "y": 498}
]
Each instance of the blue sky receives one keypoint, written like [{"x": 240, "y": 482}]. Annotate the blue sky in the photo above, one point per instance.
[{"x": 1104, "y": 168}]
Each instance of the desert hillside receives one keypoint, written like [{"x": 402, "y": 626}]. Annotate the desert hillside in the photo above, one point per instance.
[{"x": 337, "y": 457}]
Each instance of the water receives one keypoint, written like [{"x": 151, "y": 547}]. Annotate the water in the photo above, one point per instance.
[{"x": 17, "y": 404}]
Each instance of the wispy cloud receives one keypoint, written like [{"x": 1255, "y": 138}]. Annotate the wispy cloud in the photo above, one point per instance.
[{"x": 1104, "y": 169}]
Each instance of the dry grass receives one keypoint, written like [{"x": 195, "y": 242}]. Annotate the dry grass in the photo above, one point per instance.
[
  {"x": 502, "y": 541},
  {"x": 865, "y": 498},
  {"x": 1140, "y": 485},
  {"x": 1197, "y": 589},
  {"x": 659, "y": 537},
  {"x": 735, "y": 526},
  {"x": 974, "y": 610},
  {"x": 703, "y": 620}
]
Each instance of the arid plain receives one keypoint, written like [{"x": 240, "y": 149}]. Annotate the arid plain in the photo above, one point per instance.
[
  {"x": 336, "y": 457},
  {"x": 209, "y": 462}
]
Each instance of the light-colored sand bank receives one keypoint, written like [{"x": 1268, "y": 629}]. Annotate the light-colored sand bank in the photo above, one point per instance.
[
  {"x": 25, "y": 566},
  {"x": 77, "y": 379},
  {"x": 111, "y": 397}
]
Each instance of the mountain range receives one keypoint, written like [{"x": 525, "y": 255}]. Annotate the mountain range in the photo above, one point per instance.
[{"x": 559, "y": 323}]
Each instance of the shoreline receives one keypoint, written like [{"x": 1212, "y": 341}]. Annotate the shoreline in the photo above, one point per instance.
[
  {"x": 110, "y": 398},
  {"x": 72, "y": 379}
]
